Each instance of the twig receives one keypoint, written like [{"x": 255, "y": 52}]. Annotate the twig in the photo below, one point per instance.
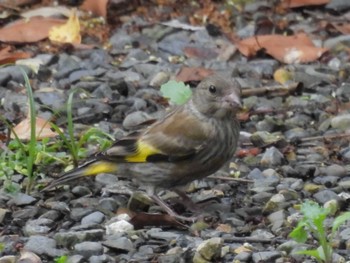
[
  {"x": 325, "y": 137},
  {"x": 254, "y": 240},
  {"x": 226, "y": 178},
  {"x": 275, "y": 91}
]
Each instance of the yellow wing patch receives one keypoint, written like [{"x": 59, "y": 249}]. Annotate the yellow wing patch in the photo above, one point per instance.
[
  {"x": 143, "y": 151},
  {"x": 100, "y": 167}
]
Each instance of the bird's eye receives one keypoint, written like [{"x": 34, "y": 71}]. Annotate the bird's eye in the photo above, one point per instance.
[{"x": 212, "y": 89}]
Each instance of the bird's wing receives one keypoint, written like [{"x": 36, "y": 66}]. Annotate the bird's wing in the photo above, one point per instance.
[{"x": 178, "y": 136}]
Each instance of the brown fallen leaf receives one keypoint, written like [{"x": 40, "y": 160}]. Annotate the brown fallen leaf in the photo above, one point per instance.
[
  {"x": 287, "y": 49},
  {"x": 299, "y": 3},
  {"x": 42, "y": 129},
  {"x": 200, "y": 52},
  {"x": 28, "y": 30},
  {"x": 140, "y": 219},
  {"x": 98, "y": 8},
  {"x": 68, "y": 32},
  {"x": 187, "y": 74},
  {"x": 7, "y": 56},
  {"x": 343, "y": 28}
]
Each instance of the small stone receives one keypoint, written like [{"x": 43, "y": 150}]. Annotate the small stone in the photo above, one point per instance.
[
  {"x": 341, "y": 122},
  {"x": 121, "y": 226},
  {"x": 265, "y": 256},
  {"x": 122, "y": 244},
  {"x": 277, "y": 220},
  {"x": 3, "y": 213},
  {"x": 21, "y": 199},
  {"x": 288, "y": 246},
  {"x": 109, "y": 204},
  {"x": 93, "y": 218},
  {"x": 272, "y": 157},
  {"x": 325, "y": 195},
  {"x": 208, "y": 250},
  {"x": 76, "y": 259},
  {"x": 77, "y": 214},
  {"x": 157, "y": 233},
  {"x": 42, "y": 245},
  {"x": 312, "y": 188},
  {"x": 243, "y": 257},
  {"x": 159, "y": 79},
  {"x": 88, "y": 249},
  {"x": 69, "y": 239},
  {"x": 38, "y": 226},
  {"x": 81, "y": 191}
]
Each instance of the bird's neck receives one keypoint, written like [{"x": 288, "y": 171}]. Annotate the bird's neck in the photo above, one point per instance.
[{"x": 203, "y": 111}]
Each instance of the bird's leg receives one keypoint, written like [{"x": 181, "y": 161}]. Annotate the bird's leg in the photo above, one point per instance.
[
  {"x": 187, "y": 201},
  {"x": 171, "y": 212}
]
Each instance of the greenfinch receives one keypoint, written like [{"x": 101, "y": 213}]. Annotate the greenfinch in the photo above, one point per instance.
[{"x": 192, "y": 141}]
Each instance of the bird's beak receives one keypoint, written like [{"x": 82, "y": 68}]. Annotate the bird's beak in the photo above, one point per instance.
[{"x": 233, "y": 100}]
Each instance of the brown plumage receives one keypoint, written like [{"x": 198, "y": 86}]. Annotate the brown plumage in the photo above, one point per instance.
[{"x": 191, "y": 142}]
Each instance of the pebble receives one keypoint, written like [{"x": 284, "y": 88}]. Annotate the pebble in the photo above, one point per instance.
[
  {"x": 325, "y": 195},
  {"x": 121, "y": 226},
  {"x": 43, "y": 246},
  {"x": 20, "y": 199},
  {"x": 70, "y": 238},
  {"x": 208, "y": 250},
  {"x": 88, "y": 249},
  {"x": 93, "y": 218},
  {"x": 267, "y": 256},
  {"x": 121, "y": 244},
  {"x": 38, "y": 226}
]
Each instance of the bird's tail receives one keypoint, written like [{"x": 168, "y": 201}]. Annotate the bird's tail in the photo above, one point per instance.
[{"x": 89, "y": 169}]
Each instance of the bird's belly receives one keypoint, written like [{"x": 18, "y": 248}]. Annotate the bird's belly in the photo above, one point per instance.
[{"x": 170, "y": 175}]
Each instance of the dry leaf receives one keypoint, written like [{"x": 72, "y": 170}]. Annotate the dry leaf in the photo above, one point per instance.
[
  {"x": 28, "y": 30},
  {"x": 193, "y": 74},
  {"x": 226, "y": 228},
  {"x": 98, "y": 8},
  {"x": 282, "y": 75},
  {"x": 242, "y": 249},
  {"x": 342, "y": 28},
  {"x": 47, "y": 11},
  {"x": 299, "y": 3},
  {"x": 67, "y": 33},
  {"x": 287, "y": 49},
  {"x": 6, "y": 56},
  {"x": 42, "y": 129}
]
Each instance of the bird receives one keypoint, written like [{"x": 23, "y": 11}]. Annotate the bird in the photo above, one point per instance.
[{"x": 191, "y": 141}]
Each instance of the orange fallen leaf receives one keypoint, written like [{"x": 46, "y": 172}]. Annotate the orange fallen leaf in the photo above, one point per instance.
[
  {"x": 7, "y": 56},
  {"x": 68, "y": 32},
  {"x": 28, "y": 30},
  {"x": 299, "y": 3},
  {"x": 287, "y": 49},
  {"x": 96, "y": 7},
  {"x": 241, "y": 153},
  {"x": 42, "y": 129}
]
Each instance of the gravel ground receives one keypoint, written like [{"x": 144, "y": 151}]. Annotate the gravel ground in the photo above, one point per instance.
[{"x": 291, "y": 148}]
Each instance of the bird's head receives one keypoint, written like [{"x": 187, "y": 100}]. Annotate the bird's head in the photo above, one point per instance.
[{"x": 217, "y": 96}]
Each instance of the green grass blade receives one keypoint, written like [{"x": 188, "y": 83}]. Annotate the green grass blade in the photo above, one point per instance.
[{"x": 32, "y": 141}]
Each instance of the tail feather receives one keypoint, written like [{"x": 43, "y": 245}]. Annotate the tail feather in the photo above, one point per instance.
[{"x": 89, "y": 169}]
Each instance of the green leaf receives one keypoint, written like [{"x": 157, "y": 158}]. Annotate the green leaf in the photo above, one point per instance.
[
  {"x": 340, "y": 220},
  {"x": 299, "y": 234},
  {"x": 312, "y": 210},
  {"x": 314, "y": 253},
  {"x": 177, "y": 92}
]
